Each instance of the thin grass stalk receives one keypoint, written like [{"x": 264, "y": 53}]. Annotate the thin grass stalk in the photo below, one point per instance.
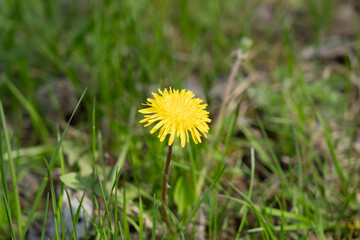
[
  {"x": 202, "y": 198},
  {"x": 5, "y": 192},
  {"x": 164, "y": 190},
  {"x": 120, "y": 231},
  {"x": 94, "y": 224},
  {"x": 244, "y": 208},
  {"x": 108, "y": 203},
  {"x": 107, "y": 212},
  {"x": 124, "y": 217},
  {"x": 93, "y": 146},
  {"x": 155, "y": 211},
  {"x": 78, "y": 212},
  {"x": 71, "y": 214},
  {"x": 45, "y": 217},
  {"x": 116, "y": 204},
  {"x": 85, "y": 226},
  {"x": 229, "y": 86},
  {"x": 333, "y": 153},
  {"x": 215, "y": 199},
  {"x": 12, "y": 171},
  {"x": 60, "y": 199},
  {"x": 53, "y": 200},
  {"x": 141, "y": 220}
]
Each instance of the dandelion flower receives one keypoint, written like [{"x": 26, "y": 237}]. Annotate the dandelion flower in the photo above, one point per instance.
[{"x": 177, "y": 113}]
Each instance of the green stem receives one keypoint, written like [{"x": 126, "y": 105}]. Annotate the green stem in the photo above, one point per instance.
[{"x": 164, "y": 190}]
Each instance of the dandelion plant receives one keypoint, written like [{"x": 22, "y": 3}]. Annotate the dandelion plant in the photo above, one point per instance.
[{"x": 176, "y": 113}]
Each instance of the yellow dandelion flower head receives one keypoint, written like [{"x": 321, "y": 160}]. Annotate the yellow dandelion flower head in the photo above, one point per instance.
[{"x": 177, "y": 113}]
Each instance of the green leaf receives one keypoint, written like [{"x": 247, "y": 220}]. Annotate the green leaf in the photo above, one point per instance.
[
  {"x": 76, "y": 181},
  {"x": 184, "y": 194},
  {"x": 78, "y": 155}
]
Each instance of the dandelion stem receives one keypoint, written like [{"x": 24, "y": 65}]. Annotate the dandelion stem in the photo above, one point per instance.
[{"x": 164, "y": 189}]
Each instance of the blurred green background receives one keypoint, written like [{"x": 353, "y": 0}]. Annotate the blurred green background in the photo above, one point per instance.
[{"x": 295, "y": 100}]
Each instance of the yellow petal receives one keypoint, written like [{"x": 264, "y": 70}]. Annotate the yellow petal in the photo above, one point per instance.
[
  {"x": 156, "y": 127},
  {"x": 182, "y": 136},
  {"x": 172, "y": 136}
]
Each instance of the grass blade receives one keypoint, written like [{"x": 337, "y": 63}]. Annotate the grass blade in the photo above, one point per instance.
[
  {"x": 93, "y": 145},
  {"x": 51, "y": 165},
  {"x": 198, "y": 203},
  {"x": 12, "y": 170},
  {"x": 4, "y": 189},
  {"x": 60, "y": 200},
  {"x": 141, "y": 211},
  {"x": 39, "y": 125},
  {"x": 244, "y": 208},
  {"x": 271, "y": 211},
  {"x": 267, "y": 230},
  {"x": 116, "y": 204},
  {"x": 96, "y": 226},
  {"x": 155, "y": 211},
  {"x": 333, "y": 153},
  {"x": 120, "y": 231},
  {"x": 126, "y": 145},
  {"x": 45, "y": 217},
  {"x": 125, "y": 223},
  {"x": 53, "y": 200},
  {"x": 107, "y": 204},
  {"x": 107, "y": 212},
  {"x": 78, "y": 212},
  {"x": 279, "y": 170},
  {"x": 71, "y": 213}
]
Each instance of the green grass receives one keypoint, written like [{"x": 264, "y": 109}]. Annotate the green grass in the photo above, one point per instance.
[{"x": 280, "y": 162}]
